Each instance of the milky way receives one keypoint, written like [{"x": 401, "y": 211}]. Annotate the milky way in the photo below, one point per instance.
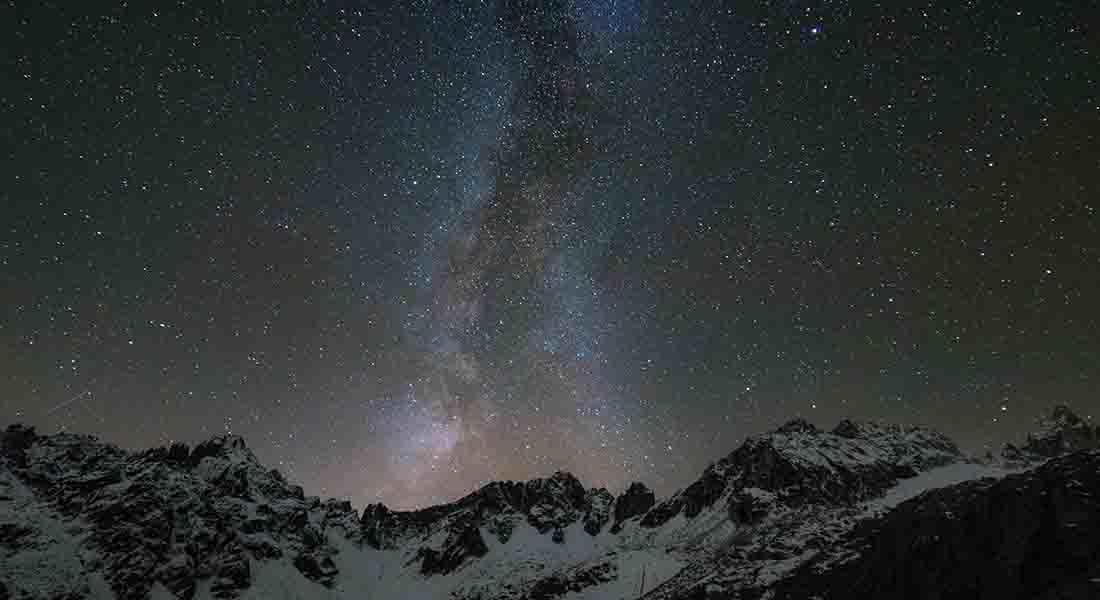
[{"x": 408, "y": 250}]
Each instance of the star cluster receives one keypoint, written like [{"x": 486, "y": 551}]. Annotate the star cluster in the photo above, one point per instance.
[{"x": 405, "y": 250}]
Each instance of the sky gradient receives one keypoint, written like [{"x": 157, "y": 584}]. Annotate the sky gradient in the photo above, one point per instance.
[{"x": 408, "y": 250}]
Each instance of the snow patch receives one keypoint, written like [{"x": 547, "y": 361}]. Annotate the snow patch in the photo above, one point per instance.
[
  {"x": 50, "y": 562},
  {"x": 932, "y": 479}
]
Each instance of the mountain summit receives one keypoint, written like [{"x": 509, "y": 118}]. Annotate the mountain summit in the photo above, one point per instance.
[
  {"x": 1060, "y": 432},
  {"x": 789, "y": 513}
]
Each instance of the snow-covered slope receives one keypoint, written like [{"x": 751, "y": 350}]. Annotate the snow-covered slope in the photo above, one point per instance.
[
  {"x": 1034, "y": 534},
  {"x": 169, "y": 516},
  {"x": 83, "y": 519}
]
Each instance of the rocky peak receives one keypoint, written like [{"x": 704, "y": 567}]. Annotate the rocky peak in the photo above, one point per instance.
[
  {"x": 1060, "y": 432},
  {"x": 187, "y": 521},
  {"x": 1063, "y": 417},
  {"x": 850, "y": 429},
  {"x": 636, "y": 500},
  {"x": 537, "y": 499},
  {"x": 839, "y": 465},
  {"x": 799, "y": 464},
  {"x": 561, "y": 488},
  {"x": 178, "y": 454},
  {"x": 231, "y": 447},
  {"x": 598, "y": 502},
  {"x": 383, "y": 528},
  {"x": 798, "y": 425},
  {"x": 450, "y": 534},
  {"x": 171, "y": 516}
]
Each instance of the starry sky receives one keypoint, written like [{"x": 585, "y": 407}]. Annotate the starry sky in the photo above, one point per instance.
[{"x": 405, "y": 250}]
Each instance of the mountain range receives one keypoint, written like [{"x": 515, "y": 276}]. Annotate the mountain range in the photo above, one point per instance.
[{"x": 863, "y": 510}]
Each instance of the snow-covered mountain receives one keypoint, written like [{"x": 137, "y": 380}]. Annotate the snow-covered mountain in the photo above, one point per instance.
[
  {"x": 795, "y": 513},
  {"x": 1059, "y": 433}
]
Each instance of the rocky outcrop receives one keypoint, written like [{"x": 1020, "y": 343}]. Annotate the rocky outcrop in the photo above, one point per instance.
[
  {"x": 636, "y": 500},
  {"x": 549, "y": 505},
  {"x": 1061, "y": 432},
  {"x": 800, "y": 464},
  {"x": 702, "y": 493},
  {"x": 463, "y": 543},
  {"x": 1032, "y": 535},
  {"x": 784, "y": 513},
  {"x": 598, "y": 502},
  {"x": 176, "y": 516},
  {"x": 574, "y": 580},
  {"x": 749, "y": 506}
]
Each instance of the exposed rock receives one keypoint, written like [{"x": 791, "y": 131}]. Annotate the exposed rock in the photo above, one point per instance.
[
  {"x": 780, "y": 513},
  {"x": 176, "y": 454},
  {"x": 13, "y": 535},
  {"x": 797, "y": 425},
  {"x": 340, "y": 514},
  {"x": 376, "y": 524},
  {"x": 749, "y": 506},
  {"x": 501, "y": 527},
  {"x": 598, "y": 502},
  {"x": 848, "y": 429},
  {"x": 636, "y": 500},
  {"x": 1032, "y": 535},
  {"x": 232, "y": 574},
  {"x": 558, "y": 535},
  {"x": 461, "y": 545},
  {"x": 170, "y": 515},
  {"x": 1062, "y": 432},
  {"x": 549, "y": 505},
  {"x": 222, "y": 446},
  {"x": 317, "y": 567},
  {"x": 14, "y": 442},
  {"x": 260, "y": 545},
  {"x": 574, "y": 580},
  {"x": 176, "y": 573},
  {"x": 1012, "y": 453},
  {"x": 703, "y": 492},
  {"x": 556, "y": 502},
  {"x": 801, "y": 465}
]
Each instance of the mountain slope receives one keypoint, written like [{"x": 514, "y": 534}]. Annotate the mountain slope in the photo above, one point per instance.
[
  {"x": 168, "y": 516},
  {"x": 83, "y": 519},
  {"x": 1031, "y": 535}
]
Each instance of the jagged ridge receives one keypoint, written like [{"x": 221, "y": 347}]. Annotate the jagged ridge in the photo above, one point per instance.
[
  {"x": 799, "y": 464},
  {"x": 179, "y": 517},
  {"x": 1059, "y": 433},
  {"x": 175, "y": 516}
]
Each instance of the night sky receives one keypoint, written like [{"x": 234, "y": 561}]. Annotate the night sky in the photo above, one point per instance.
[{"x": 408, "y": 250}]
